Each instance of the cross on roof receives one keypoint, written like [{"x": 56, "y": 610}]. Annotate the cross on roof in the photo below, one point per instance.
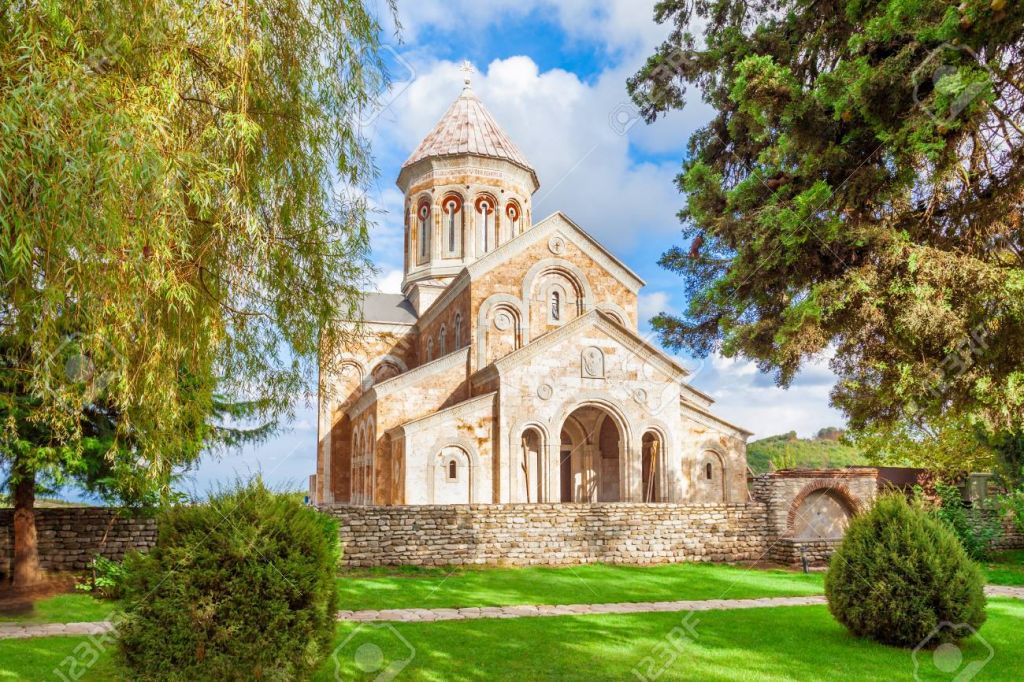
[{"x": 466, "y": 68}]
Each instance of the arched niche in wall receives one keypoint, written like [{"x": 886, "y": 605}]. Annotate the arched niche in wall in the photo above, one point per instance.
[{"x": 500, "y": 328}]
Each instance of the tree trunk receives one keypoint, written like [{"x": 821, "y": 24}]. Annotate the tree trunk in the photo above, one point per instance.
[{"x": 25, "y": 569}]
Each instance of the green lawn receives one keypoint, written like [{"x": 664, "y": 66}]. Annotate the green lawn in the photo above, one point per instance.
[
  {"x": 790, "y": 643},
  {"x": 58, "y": 659},
  {"x": 64, "y": 608},
  {"x": 594, "y": 584},
  {"x": 1007, "y": 568}
]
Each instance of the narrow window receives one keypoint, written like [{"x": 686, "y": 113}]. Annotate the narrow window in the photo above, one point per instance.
[
  {"x": 452, "y": 470},
  {"x": 430, "y": 350},
  {"x": 556, "y": 306},
  {"x": 442, "y": 341},
  {"x": 707, "y": 471},
  {"x": 512, "y": 211},
  {"x": 457, "y": 341},
  {"x": 424, "y": 237},
  {"x": 486, "y": 210},
  {"x": 451, "y": 208}
]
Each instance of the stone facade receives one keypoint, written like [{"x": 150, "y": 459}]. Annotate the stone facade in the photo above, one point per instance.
[
  {"x": 69, "y": 538},
  {"x": 553, "y": 534},
  {"x": 510, "y": 369}
]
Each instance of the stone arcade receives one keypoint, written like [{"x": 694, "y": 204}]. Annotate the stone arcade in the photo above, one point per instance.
[{"x": 510, "y": 370}]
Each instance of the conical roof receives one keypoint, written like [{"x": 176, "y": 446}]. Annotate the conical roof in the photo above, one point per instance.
[{"x": 468, "y": 128}]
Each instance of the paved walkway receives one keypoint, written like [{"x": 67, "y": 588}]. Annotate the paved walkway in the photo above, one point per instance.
[
  {"x": 23, "y": 631},
  {"x": 414, "y": 615}
]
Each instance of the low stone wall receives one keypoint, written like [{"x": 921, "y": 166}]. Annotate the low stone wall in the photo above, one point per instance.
[
  {"x": 527, "y": 534},
  {"x": 1012, "y": 538},
  {"x": 790, "y": 552},
  {"x": 70, "y": 537}
]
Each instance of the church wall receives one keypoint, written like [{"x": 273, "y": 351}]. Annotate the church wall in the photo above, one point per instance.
[
  {"x": 371, "y": 356},
  {"x": 705, "y": 443},
  {"x": 465, "y": 435},
  {"x": 431, "y": 329},
  {"x": 545, "y": 388},
  {"x": 507, "y": 279}
]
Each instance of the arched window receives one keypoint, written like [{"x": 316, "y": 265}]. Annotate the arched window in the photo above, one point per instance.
[
  {"x": 708, "y": 471},
  {"x": 423, "y": 216},
  {"x": 442, "y": 341},
  {"x": 430, "y": 350},
  {"x": 453, "y": 470},
  {"x": 485, "y": 217},
  {"x": 515, "y": 215},
  {"x": 452, "y": 208},
  {"x": 556, "y": 306},
  {"x": 457, "y": 341}
]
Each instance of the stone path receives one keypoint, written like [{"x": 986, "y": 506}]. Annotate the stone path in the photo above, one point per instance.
[
  {"x": 417, "y": 615},
  {"x": 23, "y": 631}
]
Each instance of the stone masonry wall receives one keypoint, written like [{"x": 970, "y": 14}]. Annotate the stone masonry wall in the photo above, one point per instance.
[
  {"x": 70, "y": 537},
  {"x": 527, "y": 534}
]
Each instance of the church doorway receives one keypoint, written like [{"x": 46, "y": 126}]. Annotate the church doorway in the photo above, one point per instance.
[{"x": 591, "y": 457}]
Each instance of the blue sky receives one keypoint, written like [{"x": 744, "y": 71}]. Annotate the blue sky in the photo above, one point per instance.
[{"x": 552, "y": 72}]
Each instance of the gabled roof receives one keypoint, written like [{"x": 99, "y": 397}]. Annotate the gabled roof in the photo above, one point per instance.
[
  {"x": 387, "y": 308},
  {"x": 468, "y": 128},
  {"x": 555, "y": 222},
  {"x": 544, "y": 229},
  {"x": 606, "y": 323}
]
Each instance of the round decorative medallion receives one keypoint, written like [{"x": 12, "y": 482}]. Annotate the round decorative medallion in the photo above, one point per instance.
[
  {"x": 545, "y": 391},
  {"x": 502, "y": 321},
  {"x": 640, "y": 395},
  {"x": 556, "y": 244}
]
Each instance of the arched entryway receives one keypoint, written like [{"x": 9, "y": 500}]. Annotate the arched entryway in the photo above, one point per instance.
[
  {"x": 652, "y": 464},
  {"x": 591, "y": 456},
  {"x": 821, "y": 511}
]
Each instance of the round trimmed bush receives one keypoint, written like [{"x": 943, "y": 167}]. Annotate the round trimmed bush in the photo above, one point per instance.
[
  {"x": 901, "y": 577},
  {"x": 239, "y": 588}
]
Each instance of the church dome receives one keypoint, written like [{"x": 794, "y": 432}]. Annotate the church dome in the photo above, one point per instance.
[{"x": 467, "y": 128}]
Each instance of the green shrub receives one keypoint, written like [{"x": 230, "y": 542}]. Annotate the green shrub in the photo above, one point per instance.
[
  {"x": 106, "y": 579},
  {"x": 900, "y": 575},
  {"x": 239, "y": 588},
  {"x": 976, "y": 528},
  {"x": 1012, "y": 505}
]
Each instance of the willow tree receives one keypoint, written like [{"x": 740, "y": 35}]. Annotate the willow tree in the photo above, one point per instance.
[
  {"x": 180, "y": 218},
  {"x": 859, "y": 190}
]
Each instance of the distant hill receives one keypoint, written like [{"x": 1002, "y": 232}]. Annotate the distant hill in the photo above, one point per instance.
[{"x": 825, "y": 450}]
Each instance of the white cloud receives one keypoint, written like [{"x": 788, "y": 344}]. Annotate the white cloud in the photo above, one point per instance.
[
  {"x": 615, "y": 24},
  {"x": 651, "y": 303},
  {"x": 390, "y": 282},
  {"x": 568, "y": 130},
  {"x": 749, "y": 398}
]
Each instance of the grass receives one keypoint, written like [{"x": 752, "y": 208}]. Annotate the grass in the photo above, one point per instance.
[
  {"x": 1006, "y": 568},
  {"x": 58, "y": 659},
  {"x": 790, "y": 643},
  {"x": 594, "y": 584},
  {"x": 769, "y": 645},
  {"x": 64, "y": 608}
]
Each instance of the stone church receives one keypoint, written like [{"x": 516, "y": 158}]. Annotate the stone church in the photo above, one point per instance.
[{"x": 510, "y": 368}]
